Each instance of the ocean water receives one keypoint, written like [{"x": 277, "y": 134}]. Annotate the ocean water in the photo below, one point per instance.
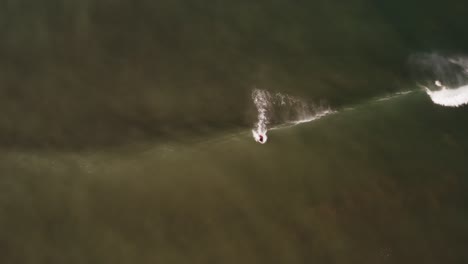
[{"x": 128, "y": 131}]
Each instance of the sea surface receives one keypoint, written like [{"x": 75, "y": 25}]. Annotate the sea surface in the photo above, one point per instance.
[{"x": 128, "y": 131}]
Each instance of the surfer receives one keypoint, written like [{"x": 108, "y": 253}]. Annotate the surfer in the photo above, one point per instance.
[{"x": 261, "y": 138}]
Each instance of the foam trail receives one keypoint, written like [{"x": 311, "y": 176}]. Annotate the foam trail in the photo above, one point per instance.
[
  {"x": 314, "y": 117},
  {"x": 449, "y": 97},
  {"x": 283, "y": 110},
  {"x": 392, "y": 96},
  {"x": 262, "y": 102}
]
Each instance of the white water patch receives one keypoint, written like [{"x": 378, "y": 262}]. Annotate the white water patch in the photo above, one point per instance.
[
  {"x": 449, "y": 97},
  {"x": 262, "y": 100},
  {"x": 445, "y": 78},
  {"x": 280, "y": 110}
]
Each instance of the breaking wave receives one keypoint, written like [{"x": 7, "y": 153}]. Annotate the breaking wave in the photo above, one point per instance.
[
  {"x": 278, "y": 110},
  {"x": 445, "y": 79},
  {"x": 449, "y": 97}
]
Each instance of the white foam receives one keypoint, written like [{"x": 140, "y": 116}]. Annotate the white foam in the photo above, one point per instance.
[
  {"x": 262, "y": 100},
  {"x": 448, "y": 69},
  {"x": 314, "y": 117},
  {"x": 449, "y": 97}
]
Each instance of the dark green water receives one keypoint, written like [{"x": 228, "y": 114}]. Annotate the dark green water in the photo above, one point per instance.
[{"x": 125, "y": 133}]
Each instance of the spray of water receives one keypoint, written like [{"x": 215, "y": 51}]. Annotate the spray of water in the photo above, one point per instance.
[
  {"x": 262, "y": 100},
  {"x": 280, "y": 110}
]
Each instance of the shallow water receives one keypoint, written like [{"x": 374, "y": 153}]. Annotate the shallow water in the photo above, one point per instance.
[{"x": 126, "y": 133}]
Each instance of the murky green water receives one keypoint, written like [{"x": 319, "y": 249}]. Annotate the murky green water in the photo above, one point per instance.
[{"x": 125, "y": 133}]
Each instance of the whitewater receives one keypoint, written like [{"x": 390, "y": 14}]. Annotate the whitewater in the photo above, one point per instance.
[
  {"x": 450, "y": 97},
  {"x": 446, "y": 78}
]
